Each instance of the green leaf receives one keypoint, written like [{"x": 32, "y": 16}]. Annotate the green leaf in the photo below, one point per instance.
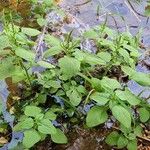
[
  {"x": 104, "y": 56},
  {"x": 128, "y": 96},
  {"x": 32, "y": 111},
  {"x": 122, "y": 115},
  {"x": 25, "y": 124},
  {"x": 144, "y": 114},
  {"x": 100, "y": 98},
  {"x": 55, "y": 84},
  {"x": 30, "y": 31},
  {"x": 124, "y": 54},
  {"x": 41, "y": 21},
  {"x": 91, "y": 34},
  {"x": 93, "y": 59},
  {"x": 52, "y": 51},
  {"x": 31, "y": 137},
  {"x": 25, "y": 54},
  {"x": 138, "y": 130},
  {"x": 6, "y": 68},
  {"x": 132, "y": 145},
  {"x": 122, "y": 142},
  {"x": 97, "y": 115},
  {"x": 108, "y": 83},
  {"x": 50, "y": 115},
  {"x": 46, "y": 127},
  {"x": 4, "y": 42},
  {"x": 139, "y": 77},
  {"x": 96, "y": 84},
  {"x": 147, "y": 10},
  {"x": 112, "y": 138},
  {"x": 45, "y": 64},
  {"x": 51, "y": 40},
  {"x": 69, "y": 66},
  {"x": 74, "y": 96},
  {"x": 59, "y": 137}
]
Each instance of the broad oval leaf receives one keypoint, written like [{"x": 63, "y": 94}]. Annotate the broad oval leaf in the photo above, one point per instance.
[
  {"x": 59, "y": 137},
  {"x": 96, "y": 116},
  {"x": 144, "y": 114},
  {"x": 122, "y": 115},
  {"x": 31, "y": 137},
  {"x": 25, "y": 124},
  {"x": 69, "y": 66},
  {"x": 108, "y": 83},
  {"x": 25, "y": 54},
  {"x": 45, "y": 64},
  {"x": 100, "y": 98},
  {"x": 122, "y": 142},
  {"x": 128, "y": 96},
  {"x": 32, "y": 111},
  {"x": 46, "y": 127},
  {"x": 30, "y": 31},
  {"x": 112, "y": 138}
]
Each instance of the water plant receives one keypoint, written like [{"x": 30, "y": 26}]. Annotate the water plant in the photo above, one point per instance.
[{"x": 73, "y": 77}]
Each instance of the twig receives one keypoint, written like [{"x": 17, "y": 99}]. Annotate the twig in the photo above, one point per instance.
[
  {"x": 132, "y": 10},
  {"x": 135, "y": 10},
  {"x": 83, "y": 3}
]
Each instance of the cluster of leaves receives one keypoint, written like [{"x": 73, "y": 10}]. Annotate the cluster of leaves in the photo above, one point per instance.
[{"x": 71, "y": 81}]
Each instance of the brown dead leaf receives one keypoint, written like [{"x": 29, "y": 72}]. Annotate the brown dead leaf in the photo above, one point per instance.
[{"x": 3, "y": 140}]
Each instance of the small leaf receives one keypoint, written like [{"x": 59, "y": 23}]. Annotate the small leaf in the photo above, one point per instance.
[
  {"x": 45, "y": 64},
  {"x": 32, "y": 111},
  {"x": 108, "y": 83},
  {"x": 59, "y": 137},
  {"x": 122, "y": 115},
  {"x": 96, "y": 84},
  {"x": 97, "y": 115},
  {"x": 122, "y": 142},
  {"x": 25, "y": 124},
  {"x": 4, "y": 42},
  {"x": 46, "y": 127},
  {"x": 51, "y": 40},
  {"x": 69, "y": 66},
  {"x": 144, "y": 114},
  {"x": 139, "y": 77},
  {"x": 91, "y": 34},
  {"x": 128, "y": 96},
  {"x": 25, "y": 54},
  {"x": 52, "y": 51},
  {"x": 30, "y": 31},
  {"x": 104, "y": 56},
  {"x": 147, "y": 10},
  {"x": 74, "y": 96},
  {"x": 41, "y": 21},
  {"x": 31, "y": 137},
  {"x": 100, "y": 98},
  {"x": 112, "y": 138},
  {"x": 138, "y": 130},
  {"x": 50, "y": 115},
  {"x": 132, "y": 145}
]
